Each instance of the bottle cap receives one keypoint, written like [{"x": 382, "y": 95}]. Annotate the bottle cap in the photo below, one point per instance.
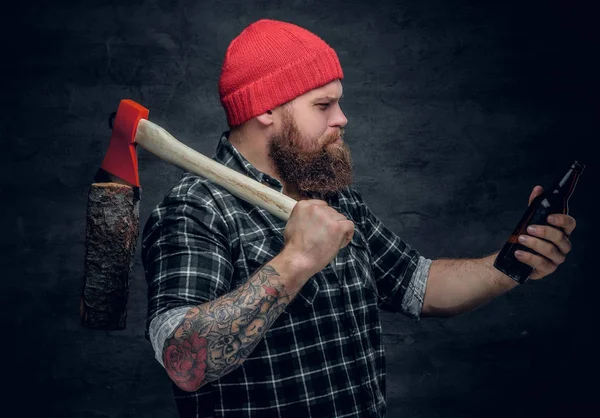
[{"x": 577, "y": 166}]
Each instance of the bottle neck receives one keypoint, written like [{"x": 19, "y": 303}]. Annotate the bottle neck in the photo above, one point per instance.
[{"x": 566, "y": 185}]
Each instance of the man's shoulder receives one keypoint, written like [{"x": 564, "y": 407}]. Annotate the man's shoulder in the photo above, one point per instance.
[
  {"x": 193, "y": 187},
  {"x": 191, "y": 196}
]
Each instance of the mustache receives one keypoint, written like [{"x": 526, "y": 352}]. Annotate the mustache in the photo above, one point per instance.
[{"x": 334, "y": 136}]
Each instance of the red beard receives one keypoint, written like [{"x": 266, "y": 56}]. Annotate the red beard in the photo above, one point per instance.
[{"x": 314, "y": 172}]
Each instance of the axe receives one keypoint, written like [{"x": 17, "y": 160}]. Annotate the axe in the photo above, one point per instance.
[{"x": 112, "y": 227}]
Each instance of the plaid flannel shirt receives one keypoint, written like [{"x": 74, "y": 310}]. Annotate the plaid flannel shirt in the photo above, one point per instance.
[{"x": 324, "y": 355}]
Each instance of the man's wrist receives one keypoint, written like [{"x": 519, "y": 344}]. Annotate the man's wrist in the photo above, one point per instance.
[
  {"x": 293, "y": 266},
  {"x": 502, "y": 280}
]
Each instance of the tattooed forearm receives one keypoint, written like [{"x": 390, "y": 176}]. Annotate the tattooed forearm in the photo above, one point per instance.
[{"x": 217, "y": 337}]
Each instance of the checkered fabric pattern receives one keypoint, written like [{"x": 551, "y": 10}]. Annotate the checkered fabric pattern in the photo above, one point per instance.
[{"x": 324, "y": 356}]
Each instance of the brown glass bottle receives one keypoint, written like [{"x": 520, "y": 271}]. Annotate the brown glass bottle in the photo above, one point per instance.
[{"x": 553, "y": 200}]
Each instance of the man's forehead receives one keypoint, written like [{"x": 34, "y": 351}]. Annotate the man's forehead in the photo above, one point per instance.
[{"x": 329, "y": 92}]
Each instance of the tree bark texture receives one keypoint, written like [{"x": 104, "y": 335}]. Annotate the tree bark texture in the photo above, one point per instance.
[{"x": 111, "y": 236}]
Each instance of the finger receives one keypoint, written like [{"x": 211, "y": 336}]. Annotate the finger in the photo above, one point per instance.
[
  {"x": 537, "y": 190},
  {"x": 544, "y": 248},
  {"x": 316, "y": 202},
  {"x": 340, "y": 217},
  {"x": 542, "y": 266},
  {"x": 330, "y": 213},
  {"x": 566, "y": 222},
  {"x": 554, "y": 235},
  {"x": 349, "y": 226}
]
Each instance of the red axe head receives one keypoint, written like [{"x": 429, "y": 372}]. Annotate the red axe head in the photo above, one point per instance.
[{"x": 121, "y": 158}]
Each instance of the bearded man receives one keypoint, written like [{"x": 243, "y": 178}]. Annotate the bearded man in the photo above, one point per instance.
[{"x": 255, "y": 317}]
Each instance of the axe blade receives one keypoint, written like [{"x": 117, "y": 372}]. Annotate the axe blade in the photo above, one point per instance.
[{"x": 121, "y": 158}]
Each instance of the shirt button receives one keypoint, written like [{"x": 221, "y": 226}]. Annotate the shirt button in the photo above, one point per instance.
[{"x": 353, "y": 332}]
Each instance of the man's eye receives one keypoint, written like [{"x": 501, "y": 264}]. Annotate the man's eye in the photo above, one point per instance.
[{"x": 323, "y": 105}]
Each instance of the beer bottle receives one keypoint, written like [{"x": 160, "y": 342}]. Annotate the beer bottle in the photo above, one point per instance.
[{"x": 553, "y": 200}]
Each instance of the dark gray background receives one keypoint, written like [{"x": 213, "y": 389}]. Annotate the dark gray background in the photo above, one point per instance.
[{"x": 456, "y": 109}]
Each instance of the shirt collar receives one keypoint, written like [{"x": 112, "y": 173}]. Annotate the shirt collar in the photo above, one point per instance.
[{"x": 229, "y": 156}]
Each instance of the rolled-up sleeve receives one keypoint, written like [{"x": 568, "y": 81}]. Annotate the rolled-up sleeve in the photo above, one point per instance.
[
  {"x": 161, "y": 328},
  {"x": 400, "y": 272},
  {"x": 185, "y": 252}
]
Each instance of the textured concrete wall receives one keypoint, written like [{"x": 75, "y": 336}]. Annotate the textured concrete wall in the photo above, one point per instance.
[{"x": 456, "y": 109}]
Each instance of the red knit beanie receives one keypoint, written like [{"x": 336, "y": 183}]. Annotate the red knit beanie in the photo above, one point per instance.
[{"x": 271, "y": 63}]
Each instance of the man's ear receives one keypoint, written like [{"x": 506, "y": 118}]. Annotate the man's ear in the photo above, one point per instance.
[{"x": 266, "y": 118}]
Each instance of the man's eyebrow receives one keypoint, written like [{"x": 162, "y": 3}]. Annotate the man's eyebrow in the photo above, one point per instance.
[{"x": 328, "y": 99}]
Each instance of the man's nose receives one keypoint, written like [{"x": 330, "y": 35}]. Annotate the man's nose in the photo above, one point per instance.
[{"x": 339, "y": 119}]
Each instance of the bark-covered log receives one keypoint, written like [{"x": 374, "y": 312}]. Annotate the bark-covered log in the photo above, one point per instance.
[{"x": 111, "y": 237}]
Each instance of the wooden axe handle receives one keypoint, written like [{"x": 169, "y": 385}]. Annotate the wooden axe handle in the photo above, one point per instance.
[{"x": 162, "y": 144}]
